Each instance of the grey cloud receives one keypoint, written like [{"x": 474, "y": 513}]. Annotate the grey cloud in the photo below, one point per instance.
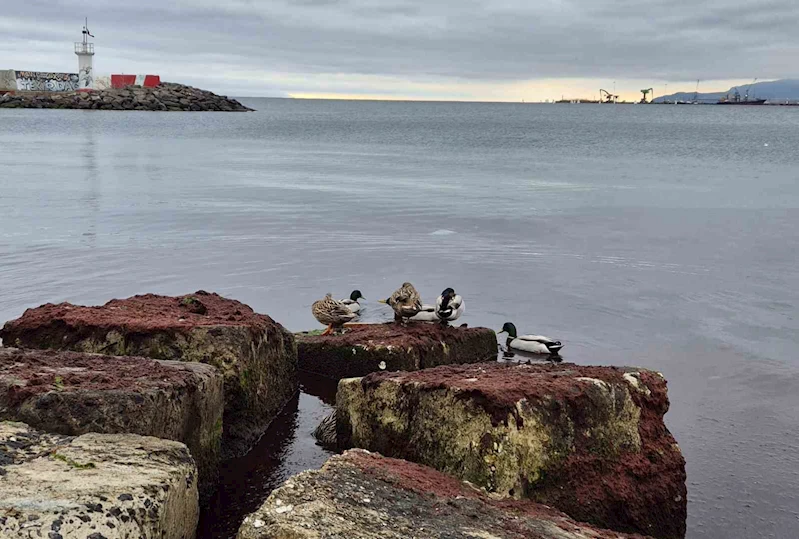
[{"x": 424, "y": 41}]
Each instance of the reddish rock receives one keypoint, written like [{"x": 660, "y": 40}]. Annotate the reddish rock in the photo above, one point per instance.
[
  {"x": 256, "y": 355},
  {"x": 361, "y": 495},
  {"x": 74, "y": 393},
  {"x": 367, "y": 348},
  {"x": 589, "y": 441}
]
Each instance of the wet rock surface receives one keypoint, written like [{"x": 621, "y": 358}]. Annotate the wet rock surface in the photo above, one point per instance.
[
  {"x": 256, "y": 356},
  {"x": 589, "y": 441},
  {"x": 74, "y": 393},
  {"x": 367, "y": 348},
  {"x": 166, "y": 97},
  {"x": 95, "y": 486},
  {"x": 365, "y": 495}
]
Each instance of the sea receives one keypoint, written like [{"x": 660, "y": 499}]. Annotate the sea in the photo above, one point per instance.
[{"x": 664, "y": 237}]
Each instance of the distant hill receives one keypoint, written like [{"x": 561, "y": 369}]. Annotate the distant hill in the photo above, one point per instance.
[{"x": 777, "y": 90}]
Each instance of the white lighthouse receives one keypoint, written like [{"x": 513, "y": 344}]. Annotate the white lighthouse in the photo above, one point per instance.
[{"x": 85, "y": 52}]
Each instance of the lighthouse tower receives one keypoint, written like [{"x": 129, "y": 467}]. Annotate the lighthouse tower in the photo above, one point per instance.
[{"x": 85, "y": 52}]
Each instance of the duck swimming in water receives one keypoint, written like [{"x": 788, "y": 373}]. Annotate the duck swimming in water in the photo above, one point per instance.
[
  {"x": 405, "y": 302},
  {"x": 534, "y": 344},
  {"x": 449, "y": 306},
  {"x": 332, "y": 313},
  {"x": 352, "y": 302}
]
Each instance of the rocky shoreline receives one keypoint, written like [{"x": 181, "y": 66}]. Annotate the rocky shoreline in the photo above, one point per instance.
[
  {"x": 552, "y": 451},
  {"x": 167, "y": 97}
]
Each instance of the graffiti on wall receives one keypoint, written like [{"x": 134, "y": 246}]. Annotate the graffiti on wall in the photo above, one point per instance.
[
  {"x": 38, "y": 81},
  {"x": 86, "y": 77}
]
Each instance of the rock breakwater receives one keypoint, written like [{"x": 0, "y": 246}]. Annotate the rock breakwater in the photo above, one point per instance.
[{"x": 167, "y": 97}]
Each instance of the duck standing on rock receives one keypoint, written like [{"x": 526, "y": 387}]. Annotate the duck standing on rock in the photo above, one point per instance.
[
  {"x": 332, "y": 313},
  {"x": 533, "y": 344},
  {"x": 405, "y": 301},
  {"x": 426, "y": 314},
  {"x": 449, "y": 306},
  {"x": 352, "y": 302}
]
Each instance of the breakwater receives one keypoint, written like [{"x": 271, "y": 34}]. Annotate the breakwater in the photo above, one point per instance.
[{"x": 167, "y": 97}]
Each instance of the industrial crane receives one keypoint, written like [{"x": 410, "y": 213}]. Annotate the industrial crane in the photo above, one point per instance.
[
  {"x": 645, "y": 93},
  {"x": 608, "y": 97}
]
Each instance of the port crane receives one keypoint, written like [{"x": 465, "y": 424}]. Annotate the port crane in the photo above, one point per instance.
[
  {"x": 607, "y": 97},
  {"x": 646, "y": 92}
]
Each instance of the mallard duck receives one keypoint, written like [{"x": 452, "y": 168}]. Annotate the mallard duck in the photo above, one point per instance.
[
  {"x": 426, "y": 314},
  {"x": 534, "y": 344},
  {"x": 352, "y": 302},
  {"x": 449, "y": 306},
  {"x": 331, "y": 313},
  {"x": 405, "y": 301}
]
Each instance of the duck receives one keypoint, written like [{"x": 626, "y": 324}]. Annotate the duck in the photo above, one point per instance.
[
  {"x": 332, "y": 313},
  {"x": 449, "y": 306},
  {"x": 405, "y": 301},
  {"x": 352, "y": 302},
  {"x": 534, "y": 344},
  {"x": 426, "y": 314}
]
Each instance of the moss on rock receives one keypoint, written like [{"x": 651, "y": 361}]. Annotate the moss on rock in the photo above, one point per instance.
[{"x": 582, "y": 439}]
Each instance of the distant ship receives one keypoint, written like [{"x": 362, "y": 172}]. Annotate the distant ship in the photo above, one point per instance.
[{"x": 737, "y": 100}]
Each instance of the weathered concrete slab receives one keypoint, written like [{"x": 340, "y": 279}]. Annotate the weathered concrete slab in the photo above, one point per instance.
[
  {"x": 256, "y": 355},
  {"x": 589, "y": 441},
  {"x": 74, "y": 393},
  {"x": 95, "y": 486},
  {"x": 362, "y": 495},
  {"x": 392, "y": 347}
]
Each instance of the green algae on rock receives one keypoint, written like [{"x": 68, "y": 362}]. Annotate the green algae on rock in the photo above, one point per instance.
[
  {"x": 367, "y": 348},
  {"x": 362, "y": 495},
  {"x": 113, "y": 486},
  {"x": 589, "y": 441},
  {"x": 74, "y": 393},
  {"x": 255, "y": 354}
]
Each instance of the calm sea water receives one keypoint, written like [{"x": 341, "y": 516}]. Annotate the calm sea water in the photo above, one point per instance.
[{"x": 663, "y": 237}]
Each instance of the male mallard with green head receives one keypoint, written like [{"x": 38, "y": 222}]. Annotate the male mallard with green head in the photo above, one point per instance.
[
  {"x": 331, "y": 313},
  {"x": 352, "y": 302},
  {"x": 534, "y": 344}
]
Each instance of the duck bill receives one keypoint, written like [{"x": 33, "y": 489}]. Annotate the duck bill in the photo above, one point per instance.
[{"x": 382, "y": 301}]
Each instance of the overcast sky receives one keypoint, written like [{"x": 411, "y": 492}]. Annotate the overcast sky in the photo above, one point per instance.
[{"x": 433, "y": 49}]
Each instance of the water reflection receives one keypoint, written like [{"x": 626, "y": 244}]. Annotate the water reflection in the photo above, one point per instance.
[
  {"x": 286, "y": 449},
  {"x": 91, "y": 199},
  {"x": 515, "y": 356}
]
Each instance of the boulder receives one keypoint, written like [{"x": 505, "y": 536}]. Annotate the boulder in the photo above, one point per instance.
[
  {"x": 74, "y": 393},
  {"x": 95, "y": 486},
  {"x": 362, "y": 495},
  {"x": 589, "y": 441},
  {"x": 367, "y": 348},
  {"x": 256, "y": 355}
]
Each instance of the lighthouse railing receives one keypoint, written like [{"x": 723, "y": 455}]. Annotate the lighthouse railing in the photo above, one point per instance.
[{"x": 84, "y": 48}]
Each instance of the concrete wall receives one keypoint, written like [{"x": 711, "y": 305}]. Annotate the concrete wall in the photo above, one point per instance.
[
  {"x": 38, "y": 81},
  {"x": 122, "y": 81},
  {"x": 102, "y": 82},
  {"x": 8, "y": 80}
]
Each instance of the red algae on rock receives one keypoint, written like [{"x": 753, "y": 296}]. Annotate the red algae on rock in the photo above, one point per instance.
[
  {"x": 256, "y": 355},
  {"x": 589, "y": 441},
  {"x": 362, "y": 495},
  {"x": 367, "y": 348}
]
